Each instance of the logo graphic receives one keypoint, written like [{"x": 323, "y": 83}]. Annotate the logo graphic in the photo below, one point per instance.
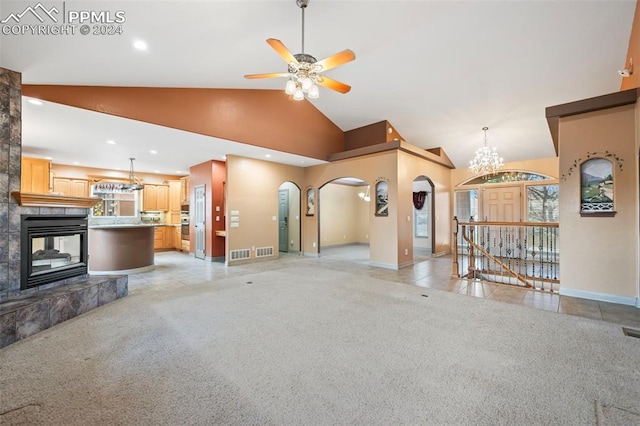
[{"x": 34, "y": 11}]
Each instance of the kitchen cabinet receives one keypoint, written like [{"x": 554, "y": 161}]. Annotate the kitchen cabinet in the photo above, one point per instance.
[
  {"x": 35, "y": 175},
  {"x": 185, "y": 190},
  {"x": 177, "y": 238},
  {"x": 155, "y": 197},
  {"x": 175, "y": 201},
  {"x": 164, "y": 237},
  {"x": 71, "y": 187}
]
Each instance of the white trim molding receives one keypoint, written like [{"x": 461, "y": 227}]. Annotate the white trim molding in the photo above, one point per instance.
[{"x": 601, "y": 297}]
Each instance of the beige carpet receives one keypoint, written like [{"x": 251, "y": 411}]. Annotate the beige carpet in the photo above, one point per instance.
[{"x": 301, "y": 345}]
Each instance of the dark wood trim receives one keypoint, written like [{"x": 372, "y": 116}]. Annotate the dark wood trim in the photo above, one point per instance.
[
  {"x": 391, "y": 146},
  {"x": 612, "y": 100}
]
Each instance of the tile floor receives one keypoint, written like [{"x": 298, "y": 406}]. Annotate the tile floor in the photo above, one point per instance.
[{"x": 175, "y": 269}]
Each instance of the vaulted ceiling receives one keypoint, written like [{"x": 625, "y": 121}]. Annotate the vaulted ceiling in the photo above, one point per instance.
[{"x": 437, "y": 70}]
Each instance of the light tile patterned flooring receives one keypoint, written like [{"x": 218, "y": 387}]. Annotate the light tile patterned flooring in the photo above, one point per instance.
[{"x": 174, "y": 269}]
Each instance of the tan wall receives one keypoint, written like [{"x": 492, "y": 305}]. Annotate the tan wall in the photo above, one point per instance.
[
  {"x": 252, "y": 190},
  {"x": 344, "y": 218},
  {"x": 79, "y": 172},
  {"x": 600, "y": 254},
  {"x": 633, "y": 51},
  {"x": 295, "y": 221},
  {"x": 383, "y": 230},
  {"x": 409, "y": 168}
]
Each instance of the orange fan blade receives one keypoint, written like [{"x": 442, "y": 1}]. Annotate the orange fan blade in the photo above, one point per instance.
[
  {"x": 270, "y": 75},
  {"x": 337, "y": 59},
  {"x": 282, "y": 50},
  {"x": 334, "y": 85}
]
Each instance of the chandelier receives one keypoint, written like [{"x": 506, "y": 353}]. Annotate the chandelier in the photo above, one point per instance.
[
  {"x": 487, "y": 162},
  {"x": 132, "y": 185},
  {"x": 365, "y": 195}
]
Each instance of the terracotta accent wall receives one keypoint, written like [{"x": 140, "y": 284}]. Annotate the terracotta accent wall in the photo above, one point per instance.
[
  {"x": 212, "y": 174},
  {"x": 633, "y": 51},
  {"x": 252, "y": 191},
  {"x": 265, "y": 118},
  {"x": 600, "y": 255}
]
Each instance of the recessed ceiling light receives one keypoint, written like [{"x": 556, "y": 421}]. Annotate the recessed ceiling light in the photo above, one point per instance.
[
  {"x": 110, "y": 142},
  {"x": 178, "y": 172},
  {"x": 156, "y": 171},
  {"x": 153, "y": 151},
  {"x": 48, "y": 158},
  {"x": 36, "y": 102},
  {"x": 117, "y": 168},
  {"x": 140, "y": 45},
  {"x": 76, "y": 163},
  {"x": 224, "y": 157},
  {"x": 268, "y": 155}
]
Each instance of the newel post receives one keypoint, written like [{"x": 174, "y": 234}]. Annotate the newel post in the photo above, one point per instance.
[
  {"x": 455, "y": 272},
  {"x": 472, "y": 255}
]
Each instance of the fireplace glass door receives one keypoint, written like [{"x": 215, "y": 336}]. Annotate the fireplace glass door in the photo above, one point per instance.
[{"x": 59, "y": 252}]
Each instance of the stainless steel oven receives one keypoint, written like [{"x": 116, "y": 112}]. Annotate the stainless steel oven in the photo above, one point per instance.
[{"x": 184, "y": 228}]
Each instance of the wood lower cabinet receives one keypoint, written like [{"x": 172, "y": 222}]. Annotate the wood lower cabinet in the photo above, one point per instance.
[
  {"x": 35, "y": 176},
  {"x": 71, "y": 187},
  {"x": 167, "y": 238}
]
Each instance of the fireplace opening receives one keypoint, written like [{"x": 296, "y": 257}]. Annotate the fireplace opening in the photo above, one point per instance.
[{"x": 53, "y": 248}]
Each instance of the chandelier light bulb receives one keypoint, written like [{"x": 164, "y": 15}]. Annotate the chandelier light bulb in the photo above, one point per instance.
[
  {"x": 306, "y": 84},
  {"x": 487, "y": 162},
  {"x": 298, "y": 95},
  {"x": 314, "y": 93},
  {"x": 290, "y": 88}
]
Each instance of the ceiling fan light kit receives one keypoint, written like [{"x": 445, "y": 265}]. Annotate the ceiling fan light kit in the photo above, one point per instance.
[{"x": 304, "y": 70}]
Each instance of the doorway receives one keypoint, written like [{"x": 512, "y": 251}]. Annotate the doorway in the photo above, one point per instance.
[
  {"x": 423, "y": 217},
  {"x": 199, "y": 217},
  {"x": 289, "y": 223}
]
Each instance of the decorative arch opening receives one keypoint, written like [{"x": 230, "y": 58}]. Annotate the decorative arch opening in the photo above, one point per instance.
[{"x": 423, "y": 217}]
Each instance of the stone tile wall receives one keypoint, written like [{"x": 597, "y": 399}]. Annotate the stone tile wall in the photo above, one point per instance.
[
  {"x": 10, "y": 161},
  {"x": 10, "y": 158}
]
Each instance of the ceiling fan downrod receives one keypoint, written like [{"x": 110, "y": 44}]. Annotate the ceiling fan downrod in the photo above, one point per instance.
[{"x": 302, "y": 4}]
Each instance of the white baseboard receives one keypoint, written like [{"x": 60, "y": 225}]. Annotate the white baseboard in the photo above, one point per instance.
[{"x": 601, "y": 297}]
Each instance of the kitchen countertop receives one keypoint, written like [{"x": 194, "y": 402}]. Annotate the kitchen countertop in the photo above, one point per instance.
[{"x": 130, "y": 225}]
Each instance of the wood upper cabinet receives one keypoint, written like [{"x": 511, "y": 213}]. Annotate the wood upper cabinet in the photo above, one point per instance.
[
  {"x": 175, "y": 195},
  {"x": 71, "y": 187},
  {"x": 162, "y": 197},
  {"x": 35, "y": 175},
  {"x": 185, "y": 190},
  {"x": 155, "y": 197}
]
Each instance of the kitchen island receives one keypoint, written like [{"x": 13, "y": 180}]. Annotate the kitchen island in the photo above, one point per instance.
[{"x": 120, "y": 249}]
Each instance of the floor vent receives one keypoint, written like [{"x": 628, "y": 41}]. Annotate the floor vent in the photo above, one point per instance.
[
  {"x": 264, "y": 251},
  {"x": 240, "y": 254},
  {"x": 631, "y": 332}
]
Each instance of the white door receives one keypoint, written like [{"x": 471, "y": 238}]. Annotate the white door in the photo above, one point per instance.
[
  {"x": 200, "y": 221},
  {"x": 501, "y": 204}
]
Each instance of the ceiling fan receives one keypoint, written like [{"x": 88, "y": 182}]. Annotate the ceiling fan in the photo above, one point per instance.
[{"x": 304, "y": 70}]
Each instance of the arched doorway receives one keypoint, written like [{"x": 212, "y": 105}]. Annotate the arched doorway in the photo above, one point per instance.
[
  {"x": 423, "y": 218},
  {"x": 344, "y": 209},
  {"x": 289, "y": 223}
]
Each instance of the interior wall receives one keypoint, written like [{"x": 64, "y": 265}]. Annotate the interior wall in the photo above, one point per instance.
[
  {"x": 342, "y": 214},
  {"x": 383, "y": 230},
  {"x": 600, "y": 254},
  {"x": 252, "y": 192},
  {"x": 410, "y": 167},
  {"x": 633, "y": 51},
  {"x": 222, "y": 113},
  {"x": 212, "y": 174},
  {"x": 295, "y": 223}
]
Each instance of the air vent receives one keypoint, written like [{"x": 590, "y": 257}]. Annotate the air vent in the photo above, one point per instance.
[
  {"x": 240, "y": 254},
  {"x": 264, "y": 251},
  {"x": 631, "y": 332}
]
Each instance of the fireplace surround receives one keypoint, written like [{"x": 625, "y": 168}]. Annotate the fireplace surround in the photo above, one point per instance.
[{"x": 52, "y": 248}]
